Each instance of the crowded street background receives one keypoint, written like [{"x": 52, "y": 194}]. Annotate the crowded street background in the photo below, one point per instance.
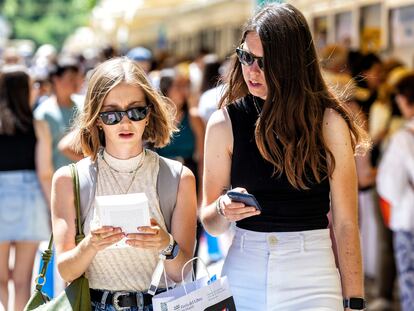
[{"x": 186, "y": 49}]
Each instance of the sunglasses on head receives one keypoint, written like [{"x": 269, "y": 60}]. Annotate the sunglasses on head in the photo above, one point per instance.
[
  {"x": 134, "y": 114},
  {"x": 247, "y": 58}
]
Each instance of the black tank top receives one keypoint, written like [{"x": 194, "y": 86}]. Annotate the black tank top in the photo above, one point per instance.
[
  {"x": 285, "y": 208},
  {"x": 18, "y": 151}
]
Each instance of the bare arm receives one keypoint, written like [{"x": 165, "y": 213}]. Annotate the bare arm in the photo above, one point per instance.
[
  {"x": 217, "y": 167},
  {"x": 72, "y": 260},
  {"x": 43, "y": 157},
  {"x": 183, "y": 224},
  {"x": 65, "y": 146},
  {"x": 344, "y": 200}
]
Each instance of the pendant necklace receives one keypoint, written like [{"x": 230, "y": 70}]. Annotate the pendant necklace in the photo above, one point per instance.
[{"x": 134, "y": 172}]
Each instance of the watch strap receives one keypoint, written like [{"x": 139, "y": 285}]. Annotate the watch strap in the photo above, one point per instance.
[
  {"x": 174, "y": 252},
  {"x": 167, "y": 251},
  {"x": 354, "y": 303}
]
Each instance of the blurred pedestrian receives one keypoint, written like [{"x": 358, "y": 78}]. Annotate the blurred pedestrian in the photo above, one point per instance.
[
  {"x": 396, "y": 185},
  {"x": 55, "y": 116},
  {"x": 142, "y": 56},
  {"x": 122, "y": 111},
  {"x": 187, "y": 145},
  {"x": 24, "y": 216},
  {"x": 283, "y": 137},
  {"x": 212, "y": 87}
]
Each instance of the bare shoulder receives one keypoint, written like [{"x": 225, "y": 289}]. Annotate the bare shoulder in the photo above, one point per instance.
[
  {"x": 333, "y": 120},
  {"x": 187, "y": 177},
  {"x": 219, "y": 118},
  {"x": 334, "y": 126},
  {"x": 62, "y": 179},
  {"x": 219, "y": 127}
]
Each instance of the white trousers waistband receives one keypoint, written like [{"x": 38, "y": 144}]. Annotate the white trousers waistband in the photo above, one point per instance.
[{"x": 283, "y": 271}]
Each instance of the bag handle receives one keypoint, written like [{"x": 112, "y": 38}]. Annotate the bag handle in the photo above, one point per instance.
[
  {"x": 183, "y": 268},
  {"x": 47, "y": 254}
]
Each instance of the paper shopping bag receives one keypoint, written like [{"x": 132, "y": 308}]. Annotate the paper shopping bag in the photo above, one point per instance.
[{"x": 200, "y": 295}]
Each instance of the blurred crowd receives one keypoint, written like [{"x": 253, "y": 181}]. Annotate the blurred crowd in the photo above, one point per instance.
[{"x": 379, "y": 91}]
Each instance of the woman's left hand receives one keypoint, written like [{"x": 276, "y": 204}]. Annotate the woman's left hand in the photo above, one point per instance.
[{"x": 149, "y": 237}]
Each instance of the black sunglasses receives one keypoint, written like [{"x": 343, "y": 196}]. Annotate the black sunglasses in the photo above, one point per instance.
[
  {"x": 247, "y": 58},
  {"x": 114, "y": 117}
]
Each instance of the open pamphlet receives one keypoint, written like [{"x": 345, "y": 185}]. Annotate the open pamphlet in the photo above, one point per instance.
[{"x": 127, "y": 211}]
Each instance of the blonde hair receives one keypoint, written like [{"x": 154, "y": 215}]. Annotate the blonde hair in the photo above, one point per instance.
[{"x": 102, "y": 80}]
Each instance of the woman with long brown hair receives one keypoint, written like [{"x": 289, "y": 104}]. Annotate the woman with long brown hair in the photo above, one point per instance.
[
  {"x": 283, "y": 137},
  {"x": 24, "y": 215}
]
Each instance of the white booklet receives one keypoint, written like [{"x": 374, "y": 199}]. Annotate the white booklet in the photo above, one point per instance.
[{"x": 127, "y": 211}]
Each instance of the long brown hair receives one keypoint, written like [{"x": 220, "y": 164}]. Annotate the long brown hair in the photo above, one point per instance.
[
  {"x": 15, "y": 111},
  {"x": 102, "y": 80},
  {"x": 296, "y": 100}
]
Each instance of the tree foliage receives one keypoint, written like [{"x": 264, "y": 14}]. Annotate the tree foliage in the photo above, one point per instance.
[{"x": 46, "y": 21}]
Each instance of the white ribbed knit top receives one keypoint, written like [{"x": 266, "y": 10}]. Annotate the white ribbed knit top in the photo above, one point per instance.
[{"x": 126, "y": 268}]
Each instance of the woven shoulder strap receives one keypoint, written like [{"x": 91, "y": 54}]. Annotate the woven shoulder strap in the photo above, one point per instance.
[{"x": 47, "y": 254}]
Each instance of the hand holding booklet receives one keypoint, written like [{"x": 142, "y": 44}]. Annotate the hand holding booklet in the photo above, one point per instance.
[{"x": 127, "y": 211}]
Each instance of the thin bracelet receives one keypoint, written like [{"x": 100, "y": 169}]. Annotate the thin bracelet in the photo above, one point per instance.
[{"x": 218, "y": 206}]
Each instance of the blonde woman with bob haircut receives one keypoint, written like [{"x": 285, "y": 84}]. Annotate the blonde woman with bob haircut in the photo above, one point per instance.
[{"x": 121, "y": 112}]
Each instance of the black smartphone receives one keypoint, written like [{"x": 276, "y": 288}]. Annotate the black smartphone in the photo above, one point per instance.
[{"x": 246, "y": 198}]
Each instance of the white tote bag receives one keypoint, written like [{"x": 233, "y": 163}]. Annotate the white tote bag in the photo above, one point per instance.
[{"x": 204, "y": 294}]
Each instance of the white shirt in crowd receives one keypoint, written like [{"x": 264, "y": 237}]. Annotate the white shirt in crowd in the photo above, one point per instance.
[
  {"x": 209, "y": 101},
  {"x": 395, "y": 179}
]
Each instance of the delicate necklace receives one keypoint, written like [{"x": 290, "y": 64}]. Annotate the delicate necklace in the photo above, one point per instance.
[
  {"x": 258, "y": 109},
  {"x": 134, "y": 172}
]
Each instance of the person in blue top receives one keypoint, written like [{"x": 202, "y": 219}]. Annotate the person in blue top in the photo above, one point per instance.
[
  {"x": 186, "y": 146},
  {"x": 281, "y": 136},
  {"x": 55, "y": 116}
]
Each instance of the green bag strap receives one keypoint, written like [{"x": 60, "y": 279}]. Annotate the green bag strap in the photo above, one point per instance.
[
  {"x": 47, "y": 254},
  {"x": 75, "y": 177}
]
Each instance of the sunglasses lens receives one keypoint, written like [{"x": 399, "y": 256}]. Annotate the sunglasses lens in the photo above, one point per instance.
[
  {"x": 114, "y": 117},
  {"x": 260, "y": 63},
  {"x": 248, "y": 59},
  {"x": 110, "y": 117},
  {"x": 137, "y": 113},
  {"x": 244, "y": 57}
]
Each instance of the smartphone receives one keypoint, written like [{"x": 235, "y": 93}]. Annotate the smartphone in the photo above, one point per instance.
[{"x": 246, "y": 198}]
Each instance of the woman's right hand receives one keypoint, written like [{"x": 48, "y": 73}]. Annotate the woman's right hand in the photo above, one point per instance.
[
  {"x": 235, "y": 211},
  {"x": 105, "y": 236}
]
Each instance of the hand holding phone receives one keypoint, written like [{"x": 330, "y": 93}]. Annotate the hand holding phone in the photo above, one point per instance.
[{"x": 246, "y": 198}]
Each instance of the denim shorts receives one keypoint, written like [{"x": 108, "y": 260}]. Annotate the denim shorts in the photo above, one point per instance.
[
  {"x": 24, "y": 215},
  {"x": 97, "y": 306}
]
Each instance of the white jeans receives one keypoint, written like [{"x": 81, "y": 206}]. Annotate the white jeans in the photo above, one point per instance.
[{"x": 283, "y": 271}]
